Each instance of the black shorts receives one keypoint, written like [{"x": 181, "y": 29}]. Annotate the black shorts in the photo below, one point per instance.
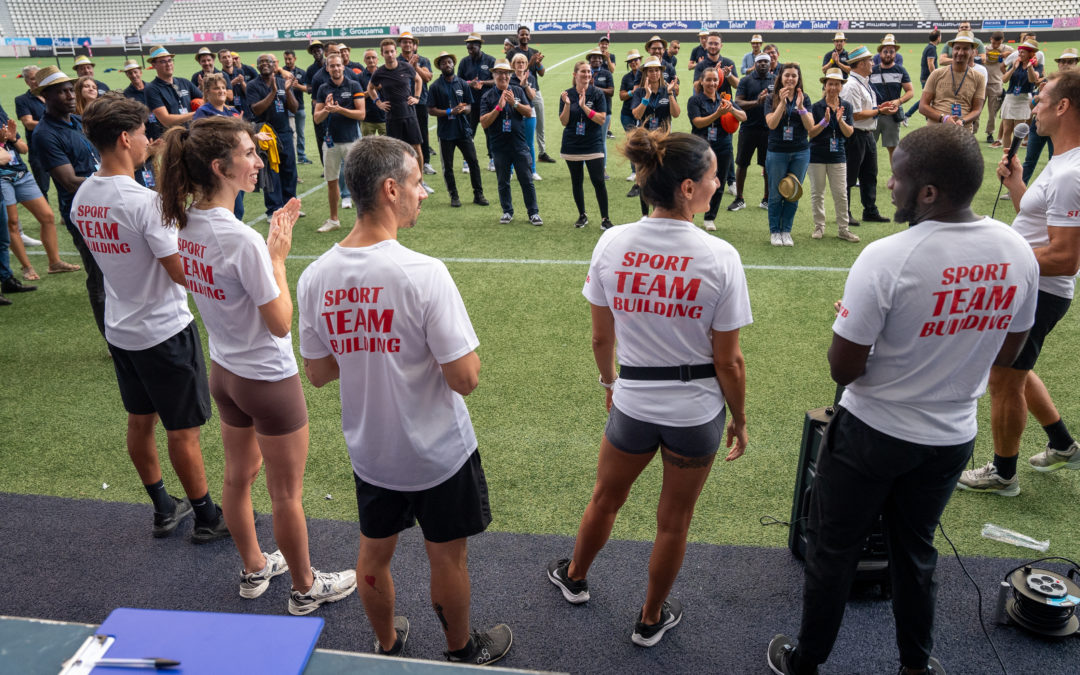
[
  {"x": 751, "y": 140},
  {"x": 1049, "y": 309},
  {"x": 168, "y": 379},
  {"x": 456, "y": 508},
  {"x": 405, "y": 129},
  {"x": 635, "y": 437}
]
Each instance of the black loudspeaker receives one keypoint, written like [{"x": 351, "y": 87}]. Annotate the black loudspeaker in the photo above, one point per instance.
[{"x": 873, "y": 569}]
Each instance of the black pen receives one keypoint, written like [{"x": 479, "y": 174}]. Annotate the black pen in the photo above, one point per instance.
[{"x": 156, "y": 664}]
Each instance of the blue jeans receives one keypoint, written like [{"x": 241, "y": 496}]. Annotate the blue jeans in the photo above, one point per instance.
[
  {"x": 1034, "y": 149},
  {"x": 607, "y": 127},
  {"x": 778, "y": 165},
  {"x": 298, "y": 122},
  {"x": 342, "y": 184},
  {"x": 530, "y": 140}
]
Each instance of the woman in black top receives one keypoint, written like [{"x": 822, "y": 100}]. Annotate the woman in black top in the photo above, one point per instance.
[
  {"x": 653, "y": 105},
  {"x": 630, "y": 83},
  {"x": 705, "y": 111},
  {"x": 582, "y": 111},
  {"x": 524, "y": 78},
  {"x": 828, "y": 155},
  {"x": 788, "y": 120}
]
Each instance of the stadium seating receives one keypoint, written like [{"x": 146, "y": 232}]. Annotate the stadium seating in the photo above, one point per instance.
[
  {"x": 960, "y": 10},
  {"x": 217, "y": 15},
  {"x": 839, "y": 10},
  {"x": 383, "y": 12},
  {"x": 615, "y": 10},
  {"x": 68, "y": 18}
]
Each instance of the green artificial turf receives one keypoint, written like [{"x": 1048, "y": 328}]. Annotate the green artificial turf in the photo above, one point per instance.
[{"x": 538, "y": 411}]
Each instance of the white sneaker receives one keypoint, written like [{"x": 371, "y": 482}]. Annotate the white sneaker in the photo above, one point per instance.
[
  {"x": 987, "y": 479},
  {"x": 537, "y": 176},
  {"x": 491, "y": 165},
  {"x": 428, "y": 189},
  {"x": 28, "y": 241},
  {"x": 330, "y": 225},
  {"x": 346, "y": 203},
  {"x": 786, "y": 240},
  {"x": 464, "y": 167},
  {"x": 428, "y": 169},
  {"x": 631, "y": 178},
  {"x": 1052, "y": 460},
  {"x": 710, "y": 226},
  {"x": 327, "y": 587},
  {"x": 252, "y": 585},
  {"x": 731, "y": 189},
  {"x": 775, "y": 240},
  {"x": 1005, "y": 196}
]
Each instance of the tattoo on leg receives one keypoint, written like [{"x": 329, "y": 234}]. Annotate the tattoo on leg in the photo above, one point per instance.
[
  {"x": 442, "y": 617},
  {"x": 680, "y": 462},
  {"x": 371, "y": 582}
]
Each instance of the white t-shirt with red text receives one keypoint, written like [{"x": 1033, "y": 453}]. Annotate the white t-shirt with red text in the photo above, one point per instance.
[
  {"x": 935, "y": 301},
  {"x": 230, "y": 275},
  {"x": 668, "y": 285},
  {"x": 390, "y": 316},
  {"x": 1053, "y": 200},
  {"x": 120, "y": 221}
]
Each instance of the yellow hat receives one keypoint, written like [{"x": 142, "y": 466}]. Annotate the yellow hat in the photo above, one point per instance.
[
  {"x": 406, "y": 35},
  {"x": 756, "y": 38}
]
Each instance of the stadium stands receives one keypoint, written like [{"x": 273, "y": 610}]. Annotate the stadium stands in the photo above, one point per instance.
[
  {"x": 215, "y": 15},
  {"x": 960, "y": 10},
  {"x": 65, "y": 18},
  {"x": 901, "y": 10},
  {"x": 615, "y": 10},
  {"x": 383, "y": 12}
]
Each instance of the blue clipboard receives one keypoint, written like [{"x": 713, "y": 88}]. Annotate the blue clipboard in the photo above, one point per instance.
[{"x": 208, "y": 642}]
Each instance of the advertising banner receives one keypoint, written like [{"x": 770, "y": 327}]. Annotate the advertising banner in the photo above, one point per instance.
[
  {"x": 365, "y": 31},
  {"x": 611, "y": 26}
]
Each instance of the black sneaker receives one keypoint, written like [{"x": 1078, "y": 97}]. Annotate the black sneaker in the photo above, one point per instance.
[
  {"x": 779, "y": 655},
  {"x": 480, "y": 200},
  {"x": 545, "y": 158},
  {"x": 852, "y": 222},
  {"x": 670, "y": 615},
  {"x": 575, "y": 592},
  {"x": 933, "y": 667},
  {"x": 737, "y": 205},
  {"x": 582, "y": 221},
  {"x": 204, "y": 533},
  {"x": 485, "y": 648},
  {"x": 874, "y": 218},
  {"x": 165, "y": 523},
  {"x": 401, "y": 627},
  {"x": 606, "y": 224},
  {"x": 13, "y": 285},
  {"x": 634, "y": 191},
  {"x": 4, "y": 301},
  {"x": 455, "y": 202}
]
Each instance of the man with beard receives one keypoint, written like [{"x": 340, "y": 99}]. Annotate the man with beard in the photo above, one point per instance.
[
  {"x": 979, "y": 49},
  {"x": 475, "y": 69},
  {"x": 30, "y": 108},
  {"x": 339, "y": 105},
  {"x": 375, "y": 119},
  {"x": 84, "y": 67},
  {"x": 838, "y": 57},
  {"x": 398, "y": 86},
  {"x": 315, "y": 48},
  {"x": 536, "y": 67},
  {"x": 502, "y": 113},
  {"x": 298, "y": 118},
  {"x": 1048, "y": 217},
  {"x": 954, "y": 94},
  {"x": 861, "y": 147},
  {"x": 205, "y": 59},
  {"x": 753, "y": 133},
  {"x": 168, "y": 97},
  {"x": 237, "y": 83},
  {"x": 729, "y": 75},
  {"x": 892, "y": 84},
  {"x": 409, "y": 46},
  {"x": 657, "y": 46},
  {"x": 270, "y": 96},
  {"x": 906, "y": 423},
  {"x": 748, "y": 57},
  {"x": 450, "y": 99}
]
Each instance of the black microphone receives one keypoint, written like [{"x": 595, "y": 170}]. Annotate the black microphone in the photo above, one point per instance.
[{"x": 1019, "y": 134}]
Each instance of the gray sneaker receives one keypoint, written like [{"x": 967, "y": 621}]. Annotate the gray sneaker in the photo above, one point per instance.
[
  {"x": 987, "y": 479},
  {"x": 1052, "y": 460},
  {"x": 401, "y": 627},
  {"x": 254, "y": 584},
  {"x": 327, "y": 587}
]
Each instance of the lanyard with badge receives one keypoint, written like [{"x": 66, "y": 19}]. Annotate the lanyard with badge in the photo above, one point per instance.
[
  {"x": 789, "y": 128},
  {"x": 711, "y": 133},
  {"x": 279, "y": 99},
  {"x": 579, "y": 128},
  {"x": 834, "y": 124},
  {"x": 956, "y": 109},
  {"x": 507, "y": 123},
  {"x": 90, "y": 148}
]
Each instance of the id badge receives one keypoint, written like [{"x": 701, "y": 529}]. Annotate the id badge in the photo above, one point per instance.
[
  {"x": 328, "y": 141},
  {"x": 148, "y": 174},
  {"x": 789, "y": 133},
  {"x": 712, "y": 134},
  {"x": 654, "y": 123},
  {"x": 506, "y": 125},
  {"x": 956, "y": 110},
  {"x": 580, "y": 130},
  {"x": 834, "y": 144},
  {"x": 279, "y": 106}
]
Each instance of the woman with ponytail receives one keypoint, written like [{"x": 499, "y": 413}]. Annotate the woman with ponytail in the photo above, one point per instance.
[
  {"x": 239, "y": 285},
  {"x": 582, "y": 111},
  {"x": 671, "y": 299}
]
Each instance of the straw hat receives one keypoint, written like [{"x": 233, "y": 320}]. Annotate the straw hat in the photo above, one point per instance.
[
  {"x": 1069, "y": 53},
  {"x": 443, "y": 55},
  {"x": 502, "y": 64},
  {"x": 756, "y": 39},
  {"x": 130, "y": 64},
  {"x": 160, "y": 51},
  {"x": 474, "y": 37},
  {"x": 632, "y": 55},
  {"x": 594, "y": 52},
  {"x": 833, "y": 74},
  {"x": 313, "y": 44},
  {"x": 963, "y": 37},
  {"x": 839, "y": 36},
  {"x": 859, "y": 54},
  {"x": 655, "y": 38},
  {"x": 888, "y": 41},
  {"x": 652, "y": 62},
  {"x": 83, "y": 61},
  {"x": 406, "y": 35},
  {"x": 201, "y": 52},
  {"x": 49, "y": 76},
  {"x": 790, "y": 188},
  {"x": 1029, "y": 45}
]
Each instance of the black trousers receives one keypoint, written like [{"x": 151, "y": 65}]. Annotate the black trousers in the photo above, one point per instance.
[
  {"x": 320, "y": 133},
  {"x": 862, "y": 167},
  {"x": 283, "y": 183},
  {"x": 474, "y": 116},
  {"x": 422, "y": 120},
  {"x": 95, "y": 280},
  {"x": 596, "y": 177},
  {"x": 863, "y": 473},
  {"x": 520, "y": 161},
  {"x": 468, "y": 153},
  {"x": 725, "y": 171}
]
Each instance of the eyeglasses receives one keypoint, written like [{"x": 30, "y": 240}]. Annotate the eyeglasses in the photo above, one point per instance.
[{"x": 163, "y": 59}]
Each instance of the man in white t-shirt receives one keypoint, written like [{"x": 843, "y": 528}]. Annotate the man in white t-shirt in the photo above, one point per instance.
[
  {"x": 390, "y": 323},
  {"x": 1048, "y": 217},
  {"x": 150, "y": 331},
  {"x": 925, "y": 314}
]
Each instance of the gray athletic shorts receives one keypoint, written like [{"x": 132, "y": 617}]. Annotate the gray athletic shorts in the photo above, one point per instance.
[
  {"x": 637, "y": 438},
  {"x": 888, "y": 130}
]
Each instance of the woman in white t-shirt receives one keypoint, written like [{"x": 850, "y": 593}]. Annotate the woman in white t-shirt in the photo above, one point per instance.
[
  {"x": 673, "y": 299},
  {"x": 239, "y": 284}
]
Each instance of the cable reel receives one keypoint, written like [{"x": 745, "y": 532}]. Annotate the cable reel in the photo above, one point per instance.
[{"x": 1042, "y": 601}]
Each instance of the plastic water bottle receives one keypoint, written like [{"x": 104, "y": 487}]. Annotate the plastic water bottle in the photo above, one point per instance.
[{"x": 997, "y": 533}]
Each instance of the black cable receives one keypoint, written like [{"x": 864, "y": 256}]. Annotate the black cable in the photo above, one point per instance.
[
  {"x": 997, "y": 198},
  {"x": 773, "y": 520},
  {"x": 978, "y": 594}
]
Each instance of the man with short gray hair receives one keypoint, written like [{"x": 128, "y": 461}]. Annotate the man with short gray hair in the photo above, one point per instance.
[{"x": 412, "y": 351}]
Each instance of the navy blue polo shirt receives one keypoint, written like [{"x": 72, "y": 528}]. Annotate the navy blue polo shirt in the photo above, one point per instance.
[
  {"x": 57, "y": 143},
  {"x": 888, "y": 82},
  {"x": 930, "y": 50},
  {"x": 277, "y": 113},
  {"x": 16, "y": 164},
  {"x": 705, "y": 63},
  {"x": 423, "y": 62},
  {"x": 443, "y": 95},
  {"x": 1019, "y": 84},
  {"x": 822, "y": 145},
  {"x": 698, "y": 53},
  {"x": 479, "y": 69},
  {"x": 374, "y": 114},
  {"x": 700, "y": 105},
  {"x": 800, "y": 140},
  {"x": 101, "y": 87},
  {"x": 309, "y": 80},
  {"x": 28, "y": 104},
  {"x": 175, "y": 98},
  {"x": 603, "y": 79},
  {"x": 343, "y": 129},
  {"x": 250, "y": 72},
  {"x": 301, "y": 78},
  {"x": 136, "y": 94},
  {"x": 829, "y": 54},
  {"x": 658, "y": 114},
  {"x": 629, "y": 81},
  {"x": 207, "y": 110},
  {"x": 528, "y": 52},
  {"x": 507, "y": 132},
  {"x": 197, "y": 77},
  {"x": 582, "y": 136},
  {"x": 750, "y": 87}
]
